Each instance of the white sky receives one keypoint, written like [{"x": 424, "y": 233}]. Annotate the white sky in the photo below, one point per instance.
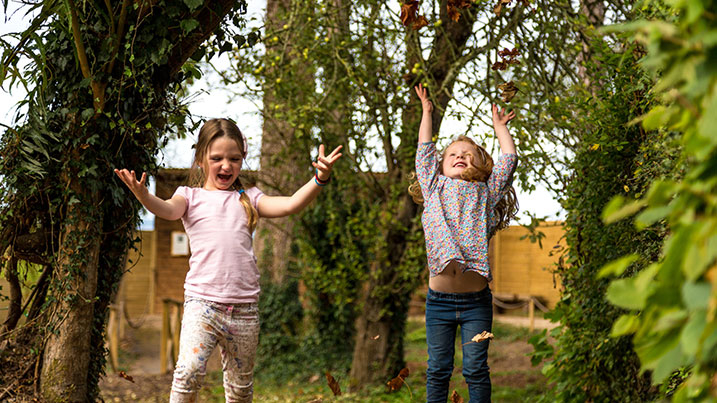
[{"x": 220, "y": 103}]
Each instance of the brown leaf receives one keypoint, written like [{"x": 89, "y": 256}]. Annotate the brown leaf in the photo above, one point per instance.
[
  {"x": 396, "y": 383},
  {"x": 453, "y": 12},
  {"x": 124, "y": 375},
  {"x": 420, "y": 22},
  {"x": 502, "y": 65},
  {"x": 484, "y": 335},
  {"x": 456, "y": 398},
  {"x": 508, "y": 91},
  {"x": 508, "y": 52},
  {"x": 499, "y": 7},
  {"x": 409, "y": 12},
  {"x": 333, "y": 384}
]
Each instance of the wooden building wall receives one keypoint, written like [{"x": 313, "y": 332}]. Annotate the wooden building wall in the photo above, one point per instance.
[
  {"x": 523, "y": 268},
  {"x": 170, "y": 270},
  {"x": 138, "y": 282}
]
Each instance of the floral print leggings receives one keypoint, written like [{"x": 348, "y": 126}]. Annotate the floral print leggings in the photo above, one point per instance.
[{"x": 235, "y": 327}]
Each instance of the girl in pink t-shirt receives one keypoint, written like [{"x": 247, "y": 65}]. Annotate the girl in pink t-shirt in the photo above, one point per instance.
[{"x": 222, "y": 285}]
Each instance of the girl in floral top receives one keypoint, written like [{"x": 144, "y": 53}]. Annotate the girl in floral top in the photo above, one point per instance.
[{"x": 466, "y": 199}]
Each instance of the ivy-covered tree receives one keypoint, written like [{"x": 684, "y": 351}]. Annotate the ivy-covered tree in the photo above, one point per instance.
[{"x": 103, "y": 81}]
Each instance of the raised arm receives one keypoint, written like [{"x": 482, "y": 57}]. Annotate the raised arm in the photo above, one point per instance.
[
  {"x": 171, "y": 209},
  {"x": 425, "y": 131},
  {"x": 500, "y": 125},
  {"x": 280, "y": 206}
]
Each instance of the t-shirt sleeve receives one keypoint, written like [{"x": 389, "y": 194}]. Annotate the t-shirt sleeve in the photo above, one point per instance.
[
  {"x": 426, "y": 167},
  {"x": 500, "y": 178},
  {"x": 184, "y": 192},
  {"x": 254, "y": 194}
]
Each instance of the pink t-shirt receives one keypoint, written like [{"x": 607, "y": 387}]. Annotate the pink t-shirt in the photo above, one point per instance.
[{"x": 222, "y": 266}]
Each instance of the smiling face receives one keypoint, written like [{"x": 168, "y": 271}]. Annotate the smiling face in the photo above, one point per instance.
[
  {"x": 457, "y": 157},
  {"x": 222, "y": 163}
]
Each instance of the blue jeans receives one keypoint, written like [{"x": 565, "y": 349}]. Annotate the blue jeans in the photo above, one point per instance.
[{"x": 473, "y": 311}]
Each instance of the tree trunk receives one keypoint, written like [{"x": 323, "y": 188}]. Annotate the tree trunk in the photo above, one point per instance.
[
  {"x": 283, "y": 168},
  {"x": 385, "y": 302},
  {"x": 67, "y": 352}
]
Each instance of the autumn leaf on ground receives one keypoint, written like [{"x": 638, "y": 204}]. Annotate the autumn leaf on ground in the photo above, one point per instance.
[
  {"x": 333, "y": 384},
  {"x": 396, "y": 383},
  {"x": 124, "y": 375},
  {"x": 456, "y": 398},
  {"x": 409, "y": 12},
  {"x": 484, "y": 335},
  {"x": 508, "y": 91}
]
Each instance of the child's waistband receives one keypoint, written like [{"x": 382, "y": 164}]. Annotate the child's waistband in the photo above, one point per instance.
[{"x": 462, "y": 296}]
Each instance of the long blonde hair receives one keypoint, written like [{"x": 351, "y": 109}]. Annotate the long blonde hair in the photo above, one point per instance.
[
  {"x": 210, "y": 131},
  {"x": 481, "y": 167}
]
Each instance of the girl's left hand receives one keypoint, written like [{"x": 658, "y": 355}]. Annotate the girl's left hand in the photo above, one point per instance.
[
  {"x": 500, "y": 118},
  {"x": 324, "y": 163}
]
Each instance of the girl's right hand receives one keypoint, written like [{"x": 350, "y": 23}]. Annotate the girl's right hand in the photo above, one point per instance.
[
  {"x": 137, "y": 187},
  {"x": 423, "y": 96}
]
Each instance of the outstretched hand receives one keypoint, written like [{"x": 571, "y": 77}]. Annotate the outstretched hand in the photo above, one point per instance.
[
  {"x": 423, "y": 96},
  {"x": 500, "y": 117},
  {"x": 324, "y": 163},
  {"x": 137, "y": 187}
]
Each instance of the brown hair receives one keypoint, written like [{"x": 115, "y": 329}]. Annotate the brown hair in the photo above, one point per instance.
[
  {"x": 210, "y": 131},
  {"x": 481, "y": 167}
]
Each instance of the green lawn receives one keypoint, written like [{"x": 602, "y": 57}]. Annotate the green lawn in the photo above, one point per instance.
[{"x": 508, "y": 338}]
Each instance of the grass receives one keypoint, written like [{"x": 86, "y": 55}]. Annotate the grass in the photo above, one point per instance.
[{"x": 316, "y": 389}]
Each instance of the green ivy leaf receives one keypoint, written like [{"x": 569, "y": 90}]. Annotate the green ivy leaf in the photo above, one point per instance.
[
  {"x": 617, "y": 267},
  {"x": 624, "y": 325},
  {"x": 189, "y": 25},
  {"x": 193, "y": 4}
]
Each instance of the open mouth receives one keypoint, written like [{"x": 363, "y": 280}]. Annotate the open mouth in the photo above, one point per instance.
[
  {"x": 224, "y": 177},
  {"x": 459, "y": 165}
]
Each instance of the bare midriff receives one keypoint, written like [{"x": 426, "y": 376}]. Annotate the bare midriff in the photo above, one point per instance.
[{"x": 453, "y": 279}]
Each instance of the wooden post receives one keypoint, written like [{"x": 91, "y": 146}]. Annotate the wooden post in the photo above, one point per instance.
[
  {"x": 164, "y": 339},
  {"x": 531, "y": 313},
  {"x": 113, "y": 334},
  {"x": 176, "y": 331}
]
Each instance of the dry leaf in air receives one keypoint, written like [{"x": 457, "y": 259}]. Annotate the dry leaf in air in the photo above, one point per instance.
[
  {"x": 396, "y": 383},
  {"x": 484, "y": 335},
  {"x": 419, "y": 23},
  {"x": 498, "y": 8},
  {"x": 508, "y": 91},
  {"x": 124, "y": 375},
  {"x": 409, "y": 12},
  {"x": 456, "y": 398},
  {"x": 333, "y": 384}
]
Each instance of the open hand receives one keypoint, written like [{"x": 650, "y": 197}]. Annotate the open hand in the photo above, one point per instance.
[
  {"x": 500, "y": 117},
  {"x": 137, "y": 187},
  {"x": 324, "y": 163},
  {"x": 423, "y": 96}
]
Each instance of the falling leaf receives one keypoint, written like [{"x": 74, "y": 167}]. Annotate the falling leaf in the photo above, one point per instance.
[
  {"x": 376, "y": 337},
  {"x": 456, "y": 398},
  {"x": 333, "y": 384},
  {"x": 314, "y": 378},
  {"x": 453, "y": 13},
  {"x": 124, "y": 375},
  {"x": 508, "y": 91},
  {"x": 627, "y": 188},
  {"x": 484, "y": 335},
  {"x": 419, "y": 23},
  {"x": 499, "y": 7},
  {"x": 409, "y": 12},
  {"x": 499, "y": 65},
  {"x": 396, "y": 383},
  {"x": 595, "y": 147}
]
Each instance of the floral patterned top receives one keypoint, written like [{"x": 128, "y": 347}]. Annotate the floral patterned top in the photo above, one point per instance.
[{"x": 458, "y": 215}]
